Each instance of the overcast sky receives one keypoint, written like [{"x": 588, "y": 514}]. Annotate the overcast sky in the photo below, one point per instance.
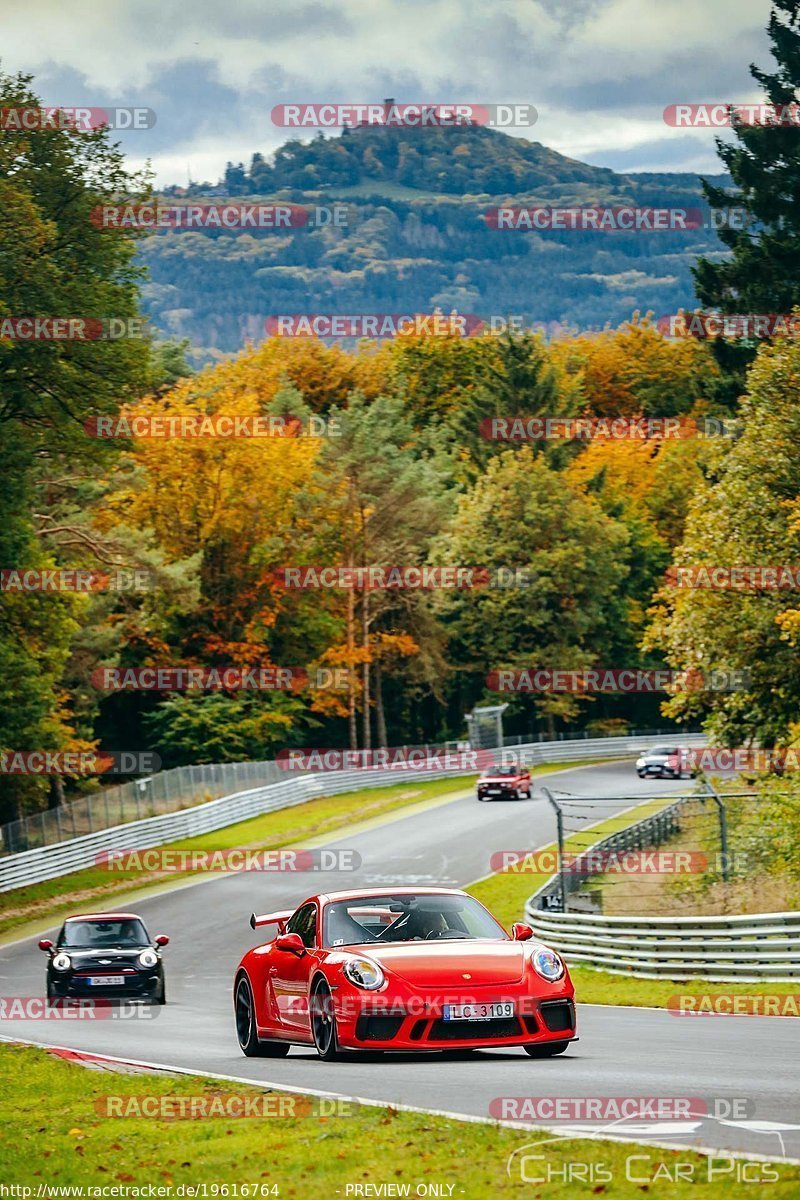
[{"x": 600, "y": 72}]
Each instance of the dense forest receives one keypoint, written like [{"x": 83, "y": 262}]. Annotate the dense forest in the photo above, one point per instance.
[
  {"x": 378, "y": 455},
  {"x": 417, "y": 239}
]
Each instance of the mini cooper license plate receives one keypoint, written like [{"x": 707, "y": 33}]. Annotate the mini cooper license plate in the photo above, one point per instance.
[
  {"x": 478, "y": 1012},
  {"x": 106, "y": 980}
]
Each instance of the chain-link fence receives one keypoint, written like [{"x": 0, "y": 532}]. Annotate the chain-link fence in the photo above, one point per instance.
[
  {"x": 183, "y": 787},
  {"x": 166, "y": 792},
  {"x": 654, "y": 854}
]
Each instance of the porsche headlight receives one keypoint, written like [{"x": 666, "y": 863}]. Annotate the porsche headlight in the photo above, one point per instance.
[
  {"x": 62, "y": 962},
  {"x": 364, "y": 973},
  {"x": 148, "y": 958},
  {"x": 547, "y": 964}
]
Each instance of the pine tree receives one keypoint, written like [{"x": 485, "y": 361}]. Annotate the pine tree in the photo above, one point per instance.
[{"x": 763, "y": 272}]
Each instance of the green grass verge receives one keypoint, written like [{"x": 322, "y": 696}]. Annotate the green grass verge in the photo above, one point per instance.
[
  {"x": 22, "y": 909},
  {"x": 601, "y": 987},
  {"x": 506, "y": 892},
  {"x": 67, "y": 1140}
]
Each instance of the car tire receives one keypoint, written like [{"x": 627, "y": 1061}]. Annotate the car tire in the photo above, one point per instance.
[
  {"x": 50, "y": 993},
  {"x": 323, "y": 1022},
  {"x": 641, "y": 774},
  {"x": 545, "y": 1049},
  {"x": 161, "y": 995},
  {"x": 244, "y": 1008}
]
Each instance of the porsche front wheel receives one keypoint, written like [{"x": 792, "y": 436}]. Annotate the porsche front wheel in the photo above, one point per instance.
[
  {"x": 323, "y": 1022},
  {"x": 246, "y": 1030}
]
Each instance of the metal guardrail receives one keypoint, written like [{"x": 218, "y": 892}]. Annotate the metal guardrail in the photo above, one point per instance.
[
  {"x": 182, "y": 787},
  {"x": 747, "y": 949},
  {"x": 60, "y": 858},
  {"x": 744, "y": 949}
]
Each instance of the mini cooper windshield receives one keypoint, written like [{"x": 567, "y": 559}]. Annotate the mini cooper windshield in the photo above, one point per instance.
[
  {"x": 104, "y": 935},
  {"x": 421, "y": 917}
]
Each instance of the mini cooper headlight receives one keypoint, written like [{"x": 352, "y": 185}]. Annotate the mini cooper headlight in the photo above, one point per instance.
[
  {"x": 148, "y": 958},
  {"x": 364, "y": 973},
  {"x": 547, "y": 964},
  {"x": 62, "y": 962}
]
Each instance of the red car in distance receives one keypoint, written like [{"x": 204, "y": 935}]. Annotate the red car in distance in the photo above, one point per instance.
[
  {"x": 505, "y": 783},
  {"x": 404, "y": 969}
]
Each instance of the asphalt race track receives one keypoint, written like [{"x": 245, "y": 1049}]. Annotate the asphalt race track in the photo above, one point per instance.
[{"x": 621, "y": 1052}]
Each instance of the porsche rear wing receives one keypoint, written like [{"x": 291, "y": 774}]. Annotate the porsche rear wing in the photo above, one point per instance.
[{"x": 275, "y": 918}]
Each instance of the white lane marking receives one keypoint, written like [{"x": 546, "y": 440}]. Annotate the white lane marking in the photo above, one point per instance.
[
  {"x": 465, "y": 1118},
  {"x": 645, "y": 1128},
  {"x": 760, "y": 1126}
]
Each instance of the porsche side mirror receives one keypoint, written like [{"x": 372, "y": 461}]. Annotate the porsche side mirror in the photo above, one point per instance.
[
  {"x": 291, "y": 942},
  {"x": 520, "y": 932},
  {"x": 45, "y": 944},
  {"x": 162, "y": 940}
]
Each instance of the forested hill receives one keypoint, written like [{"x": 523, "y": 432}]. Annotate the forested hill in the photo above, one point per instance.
[{"x": 417, "y": 239}]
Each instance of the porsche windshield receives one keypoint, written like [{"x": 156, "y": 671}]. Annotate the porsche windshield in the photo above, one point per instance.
[
  {"x": 103, "y": 935},
  {"x": 414, "y": 918}
]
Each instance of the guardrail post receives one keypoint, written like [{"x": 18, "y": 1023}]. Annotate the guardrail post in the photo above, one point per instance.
[
  {"x": 723, "y": 829},
  {"x": 560, "y": 830}
]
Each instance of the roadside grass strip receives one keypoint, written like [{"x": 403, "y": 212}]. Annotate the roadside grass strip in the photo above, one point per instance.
[{"x": 306, "y": 1146}]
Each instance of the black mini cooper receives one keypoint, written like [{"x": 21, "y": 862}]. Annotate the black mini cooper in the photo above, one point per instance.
[{"x": 105, "y": 954}]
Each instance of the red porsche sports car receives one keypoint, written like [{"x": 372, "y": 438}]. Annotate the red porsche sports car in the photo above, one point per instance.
[{"x": 405, "y": 969}]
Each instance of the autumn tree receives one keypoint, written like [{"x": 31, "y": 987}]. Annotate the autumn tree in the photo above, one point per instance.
[
  {"x": 54, "y": 262},
  {"x": 566, "y": 611},
  {"x": 745, "y": 514},
  {"x": 390, "y": 503}
]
